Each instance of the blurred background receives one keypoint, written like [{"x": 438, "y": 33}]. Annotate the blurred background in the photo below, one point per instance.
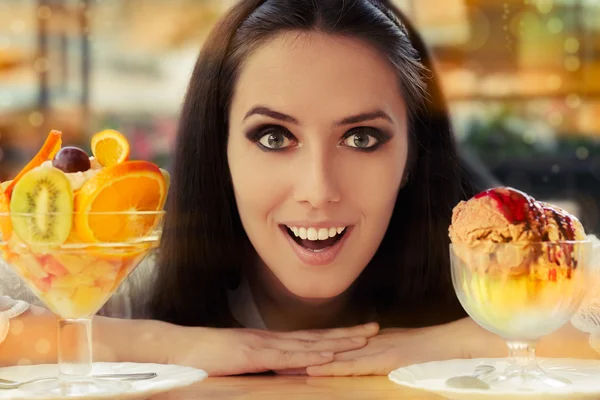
[{"x": 522, "y": 78}]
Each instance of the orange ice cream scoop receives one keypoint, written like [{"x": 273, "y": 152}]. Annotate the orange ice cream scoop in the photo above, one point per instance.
[
  {"x": 499, "y": 215},
  {"x": 505, "y": 215}
]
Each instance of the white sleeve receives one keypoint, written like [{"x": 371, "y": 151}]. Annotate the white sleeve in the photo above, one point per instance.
[
  {"x": 9, "y": 309},
  {"x": 587, "y": 318},
  {"x": 14, "y": 298}
]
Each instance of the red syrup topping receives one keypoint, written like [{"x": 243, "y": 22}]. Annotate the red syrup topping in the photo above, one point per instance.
[{"x": 516, "y": 206}]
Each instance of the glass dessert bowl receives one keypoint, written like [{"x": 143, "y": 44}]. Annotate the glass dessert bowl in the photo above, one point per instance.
[
  {"x": 74, "y": 280},
  {"x": 73, "y": 228},
  {"x": 521, "y": 292}
]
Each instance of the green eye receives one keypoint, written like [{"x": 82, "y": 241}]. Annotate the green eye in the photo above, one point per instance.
[
  {"x": 361, "y": 141},
  {"x": 272, "y": 138},
  {"x": 364, "y": 138},
  {"x": 274, "y": 141}
]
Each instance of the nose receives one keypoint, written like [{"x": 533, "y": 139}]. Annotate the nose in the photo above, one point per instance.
[{"x": 317, "y": 183}]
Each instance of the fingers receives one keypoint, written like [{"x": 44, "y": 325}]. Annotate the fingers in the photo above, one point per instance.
[
  {"x": 274, "y": 359},
  {"x": 339, "y": 368},
  {"x": 281, "y": 351},
  {"x": 377, "y": 364},
  {"x": 367, "y": 330},
  {"x": 331, "y": 345},
  {"x": 356, "y": 353},
  {"x": 296, "y": 371}
]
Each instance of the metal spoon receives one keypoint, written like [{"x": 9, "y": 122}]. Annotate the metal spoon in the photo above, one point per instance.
[
  {"x": 471, "y": 381},
  {"x": 8, "y": 384}
]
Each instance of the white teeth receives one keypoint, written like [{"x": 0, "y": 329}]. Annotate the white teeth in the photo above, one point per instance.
[
  {"x": 302, "y": 233},
  {"x": 323, "y": 234},
  {"x": 316, "y": 233}
]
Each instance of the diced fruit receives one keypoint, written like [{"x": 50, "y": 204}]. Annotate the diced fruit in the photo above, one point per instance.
[
  {"x": 124, "y": 188},
  {"x": 66, "y": 293},
  {"x": 74, "y": 282},
  {"x": 59, "y": 302},
  {"x": 47, "y": 151},
  {"x": 88, "y": 299},
  {"x": 73, "y": 263},
  {"x": 31, "y": 265},
  {"x": 53, "y": 267},
  {"x": 110, "y": 147},
  {"x": 43, "y": 284},
  {"x": 108, "y": 286},
  {"x": 101, "y": 270},
  {"x": 5, "y": 222},
  {"x": 71, "y": 281},
  {"x": 71, "y": 159},
  {"x": 42, "y": 207},
  {"x": 124, "y": 272}
]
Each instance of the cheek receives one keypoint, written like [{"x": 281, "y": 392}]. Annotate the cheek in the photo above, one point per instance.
[
  {"x": 374, "y": 184},
  {"x": 258, "y": 186}
]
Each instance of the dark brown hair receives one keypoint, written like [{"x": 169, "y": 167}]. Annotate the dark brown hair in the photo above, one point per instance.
[{"x": 204, "y": 245}]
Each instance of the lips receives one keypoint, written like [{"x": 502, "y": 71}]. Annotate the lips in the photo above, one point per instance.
[
  {"x": 320, "y": 252},
  {"x": 316, "y": 245}
]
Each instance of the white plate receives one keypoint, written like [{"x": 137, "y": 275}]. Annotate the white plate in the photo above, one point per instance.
[
  {"x": 584, "y": 374},
  {"x": 169, "y": 377}
]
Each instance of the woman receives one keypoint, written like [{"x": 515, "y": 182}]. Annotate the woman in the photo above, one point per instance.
[{"x": 314, "y": 178}]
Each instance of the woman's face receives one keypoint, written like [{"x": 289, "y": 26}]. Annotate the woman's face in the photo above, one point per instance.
[{"x": 317, "y": 150}]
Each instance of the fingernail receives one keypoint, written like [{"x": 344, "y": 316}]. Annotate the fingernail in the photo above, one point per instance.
[
  {"x": 358, "y": 339},
  {"x": 327, "y": 354},
  {"x": 371, "y": 325}
]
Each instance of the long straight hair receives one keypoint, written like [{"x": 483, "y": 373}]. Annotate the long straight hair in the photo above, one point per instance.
[{"x": 204, "y": 245}]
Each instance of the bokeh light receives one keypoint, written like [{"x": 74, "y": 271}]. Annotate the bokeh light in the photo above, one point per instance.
[
  {"x": 36, "y": 119},
  {"x": 572, "y": 45},
  {"x": 555, "y": 25}
]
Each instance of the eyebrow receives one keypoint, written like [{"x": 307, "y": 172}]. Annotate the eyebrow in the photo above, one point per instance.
[
  {"x": 354, "y": 119},
  {"x": 368, "y": 116},
  {"x": 267, "y": 112}
]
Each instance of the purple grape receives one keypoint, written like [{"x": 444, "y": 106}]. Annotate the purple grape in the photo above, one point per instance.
[{"x": 71, "y": 159}]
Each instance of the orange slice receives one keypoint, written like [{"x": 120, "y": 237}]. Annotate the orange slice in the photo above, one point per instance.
[
  {"x": 51, "y": 146},
  {"x": 55, "y": 150},
  {"x": 127, "y": 187},
  {"x": 4, "y": 185},
  {"x": 110, "y": 148},
  {"x": 5, "y": 222}
]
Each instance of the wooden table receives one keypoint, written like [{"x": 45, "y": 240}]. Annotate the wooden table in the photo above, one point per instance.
[{"x": 296, "y": 388}]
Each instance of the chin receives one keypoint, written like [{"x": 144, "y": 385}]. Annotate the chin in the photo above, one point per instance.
[{"x": 313, "y": 291}]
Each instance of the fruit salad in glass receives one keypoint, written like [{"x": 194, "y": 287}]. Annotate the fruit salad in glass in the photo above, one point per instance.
[{"x": 73, "y": 227}]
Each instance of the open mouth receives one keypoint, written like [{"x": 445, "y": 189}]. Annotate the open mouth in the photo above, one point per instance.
[{"x": 314, "y": 239}]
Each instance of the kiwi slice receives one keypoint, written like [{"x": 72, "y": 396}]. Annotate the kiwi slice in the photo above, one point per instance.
[{"x": 41, "y": 207}]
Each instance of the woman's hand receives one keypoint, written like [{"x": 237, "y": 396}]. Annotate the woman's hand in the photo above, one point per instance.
[
  {"x": 394, "y": 348},
  {"x": 239, "y": 351}
]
